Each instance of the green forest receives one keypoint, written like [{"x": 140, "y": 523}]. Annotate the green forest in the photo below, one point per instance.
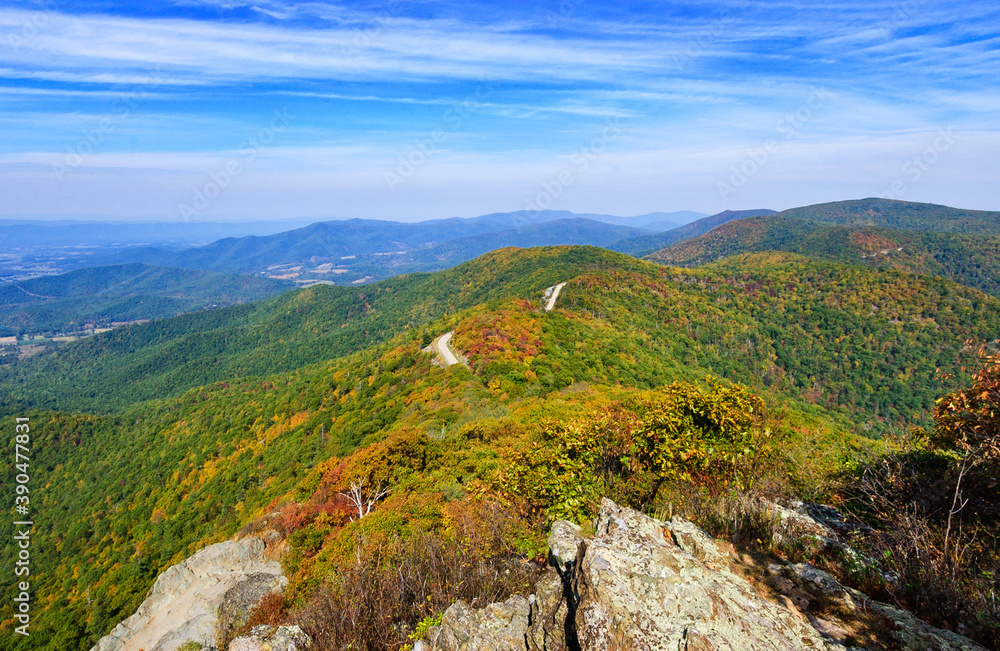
[
  {"x": 972, "y": 260},
  {"x": 661, "y": 386},
  {"x": 128, "y": 292}
]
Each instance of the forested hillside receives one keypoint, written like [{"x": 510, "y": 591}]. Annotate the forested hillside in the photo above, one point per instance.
[
  {"x": 266, "y": 412},
  {"x": 288, "y": 332},
  {"x": 906, "y": 215},
  {"x": 850, "y": 337},
  {"x": 129, "y": 292},
  {"x": 128, "y": 494},
  {"x": 967, "y": 259}
]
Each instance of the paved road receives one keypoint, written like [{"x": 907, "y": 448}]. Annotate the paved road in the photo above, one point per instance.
[
  {"x": 553, "y": 294},
  {"x": 441, "y": 348}
]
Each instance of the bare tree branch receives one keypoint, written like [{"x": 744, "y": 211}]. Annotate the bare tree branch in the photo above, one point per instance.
[{"x": 364, "y": 498}]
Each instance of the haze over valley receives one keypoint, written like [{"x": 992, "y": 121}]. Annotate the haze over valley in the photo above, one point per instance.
[{"x": 561, "y": 326}]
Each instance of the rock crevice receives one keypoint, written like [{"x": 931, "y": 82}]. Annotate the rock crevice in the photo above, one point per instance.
[{"x": 642, "y": 584}]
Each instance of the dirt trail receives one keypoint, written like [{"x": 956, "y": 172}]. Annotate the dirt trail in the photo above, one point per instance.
[{"x": 30, "y": 294}]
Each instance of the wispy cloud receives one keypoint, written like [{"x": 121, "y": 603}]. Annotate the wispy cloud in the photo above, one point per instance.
[
  {"x": 195, "y": 50},
  {"x": 699, "y": 83}
]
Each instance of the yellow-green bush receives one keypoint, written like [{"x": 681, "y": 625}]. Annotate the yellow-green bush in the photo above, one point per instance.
[{"x": 714, "y": 433}]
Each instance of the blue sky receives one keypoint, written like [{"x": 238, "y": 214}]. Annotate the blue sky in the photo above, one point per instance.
[{"x": 217, "y": 110}]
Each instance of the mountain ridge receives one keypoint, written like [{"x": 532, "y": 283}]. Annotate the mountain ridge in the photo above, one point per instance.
[
  {"x": 363, "y": 245},
  {"x": 906, "y": 215},
  {"x": 973, "y": 260},
  {"x": 645, "y": 244},
  {"x": 257, "y": 418}
]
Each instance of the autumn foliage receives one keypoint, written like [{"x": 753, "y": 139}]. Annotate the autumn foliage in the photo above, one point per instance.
[
  {"x": 712, "y": 434},
  {"x": 968, "y": 420},
  {"x": 933, "y": 506}
]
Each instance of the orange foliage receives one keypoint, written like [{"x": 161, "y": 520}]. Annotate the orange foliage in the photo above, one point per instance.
[{"x": 512, "y": 334}]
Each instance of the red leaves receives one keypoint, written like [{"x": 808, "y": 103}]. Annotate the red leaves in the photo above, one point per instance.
[{"x": 969, "y": 419}]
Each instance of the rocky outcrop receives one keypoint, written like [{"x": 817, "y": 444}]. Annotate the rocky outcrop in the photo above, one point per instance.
[
  {"x": 640, "y": 587},
  {"x": 844, "y": 614},
  {"x": 550, "y": 625},
  {"x": 642, "y": 584},
  {"x": 271, "y": 638},
  {"x": 187, "y": 600},
  {"x": 498, "y": 626}
]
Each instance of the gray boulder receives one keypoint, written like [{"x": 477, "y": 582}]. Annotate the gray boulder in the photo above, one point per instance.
[
  {"x": 498, "y": 627},
  {"x": 638, "y": 589},
  {"x": 564, "y": 543},
  {"x": 647, "y": 585},
  {"x": 270, "y": 638},
  {"x": 186, "y": 600}
]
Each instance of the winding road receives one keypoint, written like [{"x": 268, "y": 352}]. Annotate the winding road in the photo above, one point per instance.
[
  {"x": 552, "y": 293},
  {"x": 442, "y": 345},
  {"x": 442, "y": 348}
]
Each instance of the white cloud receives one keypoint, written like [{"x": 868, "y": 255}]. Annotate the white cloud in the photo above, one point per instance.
[
  {"x": 82, "y": 48},
  {"x": 697, "y": 94}
]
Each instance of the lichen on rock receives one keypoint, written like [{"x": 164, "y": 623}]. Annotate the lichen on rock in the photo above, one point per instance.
[
  {"x": 647, "y": 585},
  {"x": 271, "y": 638}
]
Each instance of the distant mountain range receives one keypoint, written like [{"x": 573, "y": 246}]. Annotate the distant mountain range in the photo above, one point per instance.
[
  {"x": 63, "y": 276},
  {"x": 356, "y": 250},
  {"x": 37, "y": 234},
  {"x": 654, "y": 221},
  {"x": 143, "y": 282},
  {"x": 35, "y": 248},
  {"x": 29, "y": 234}
]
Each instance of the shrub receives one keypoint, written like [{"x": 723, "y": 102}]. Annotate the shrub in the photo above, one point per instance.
[
  {"x": 949, "y": 577},
  {"x": 968, "y": 420},
  {"x": 271, "y": 610},
  {"x": 714, "y": 435},
  {"x": 375, "y": 602},
  {"x": 423, "y": 627},
  {"x": 933, "y": 503}
]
